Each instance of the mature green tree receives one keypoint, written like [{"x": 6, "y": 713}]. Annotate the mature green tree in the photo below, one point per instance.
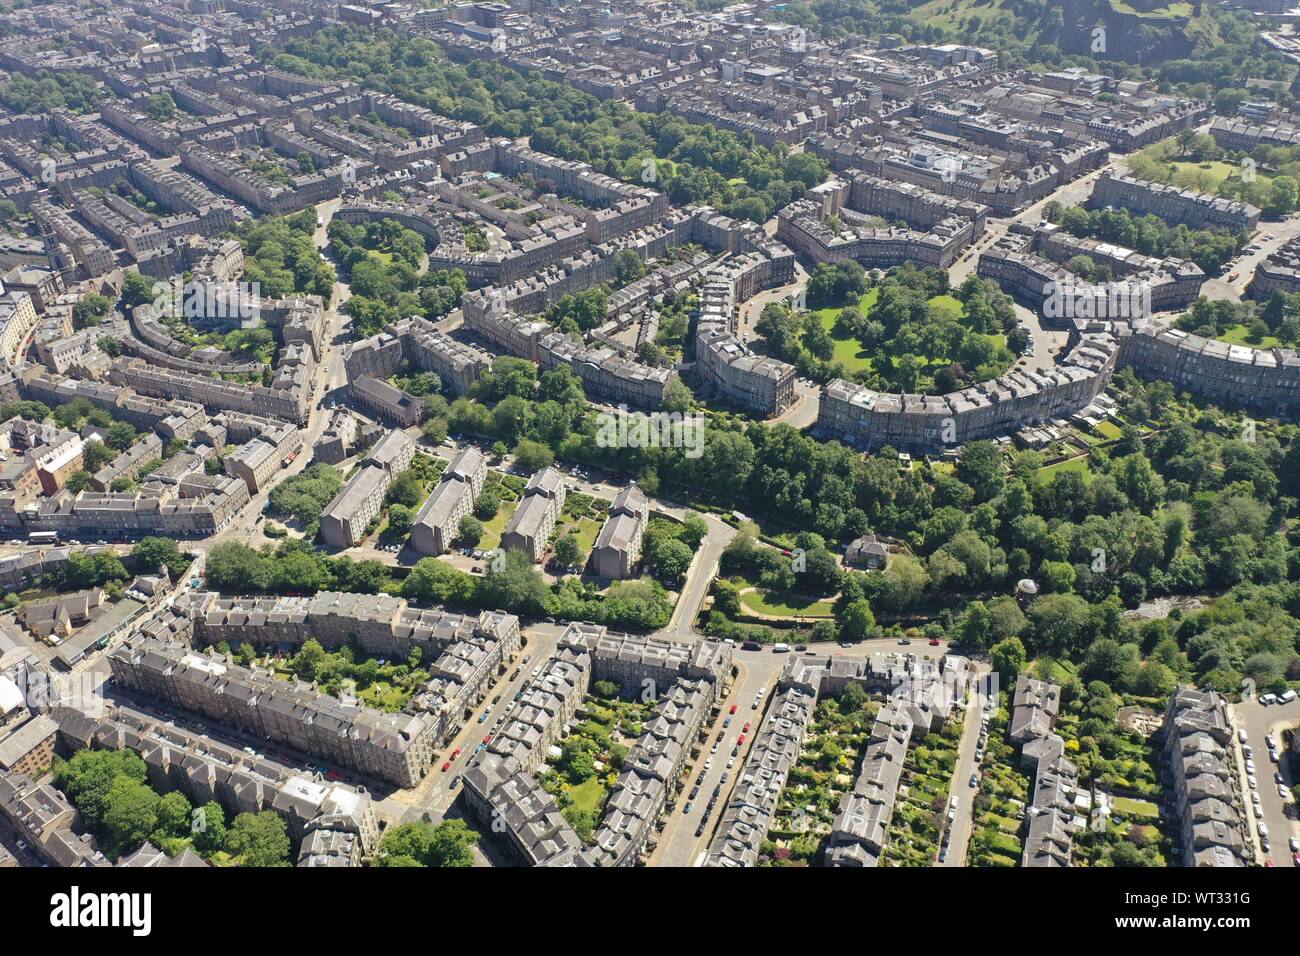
[
  {"x": 400, "y": 519},
  {"x": 533, "y": 455},
  {"x": 669, "y": 560},
  {"x": 857, "y": 621},
  {"x": 568, "y": 551},
  {"x": 259, "y": 839},
  {"x": 152, "y": 553},
  {"x": 209, "y": 828},
  {"x": 130, "y": 815},
  {"x": 470, "y": 531},
  {"x": 1008, "y": 659}
]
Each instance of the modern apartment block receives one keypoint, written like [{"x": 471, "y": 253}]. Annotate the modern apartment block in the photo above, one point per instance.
[
  {"x": 618, "y": 547},
  {"x": 533, "y": 521},
  {"x": 437, "y": 523},
  {"x": 345, "y": 519}
]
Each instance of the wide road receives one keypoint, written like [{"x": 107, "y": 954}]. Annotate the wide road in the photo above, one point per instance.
[{"x": 1259, "y": 721}]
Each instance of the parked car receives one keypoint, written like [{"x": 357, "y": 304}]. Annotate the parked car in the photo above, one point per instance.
[
  {"x": 446, "y": 766},
  {"x": 974, "y": 780}
]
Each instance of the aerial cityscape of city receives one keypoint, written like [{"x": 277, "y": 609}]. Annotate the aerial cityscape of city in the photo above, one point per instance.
[{"x": 649, "y": 433}]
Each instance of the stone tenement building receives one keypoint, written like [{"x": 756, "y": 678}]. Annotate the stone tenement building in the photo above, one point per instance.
[
  {"x": 1201, "y": 766},
  {"x": 1106, "y": 333},
  {"x": 500, "y": 791},
  {"x": 618, "y": 547},
  {"x": 463, "y": 651},
  {"x": 1172, "y": 204},
  {"x": 1056, "y": 808},
  {"x": 397, "y": 748},
  {"x": 179, "y": 758},
  {"x": 346, "y": 518},
  {"x": 924, "y": 695}
]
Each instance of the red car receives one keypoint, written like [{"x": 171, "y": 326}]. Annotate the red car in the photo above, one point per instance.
[
  {"x": 455, "y": 753},
  {"x": 733, "y": 709},
  {"x": 740, "y": 740},
  {"x": 446, "y": 766},
  {"x": 934, "y": 642},
  {"x": 1295, "y": 858},
  {"x": 745, "y": 729},
  {"x": 487, "y": 739}
]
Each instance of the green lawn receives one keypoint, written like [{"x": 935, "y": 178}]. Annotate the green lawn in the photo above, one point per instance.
[
  {"x": 1236, "y": 335},
  {"x": 1108, "y": 429},
  {"x": 494, "y": 529},
  {"x": 786, "y": 605},
  {"x": 947, "y": 303},
  {"x": 1049, "y": 472},
  {"x": 1205, "y": 177},
  {"x": 587, "y": 530},
  {"x": 848, "y": 350},
  {"x": 588, "y": 795},
  {"x": 1136, "y": 808}
]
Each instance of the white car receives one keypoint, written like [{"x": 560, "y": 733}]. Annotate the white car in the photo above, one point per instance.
[
  {"x": 1295, "y": 845},
  {"x": 1241, "y": 734},
  {"x": 1272, "y": 755},
  {"x": 1254, "y": 797},
  {"x": 1272, "y": 744},
  {"x": 1254, "y": 784},
  {"x": 1283, "y": 792},
  {"x": 1250, "y": 766},
  {"x": 1245, "y": 748}
]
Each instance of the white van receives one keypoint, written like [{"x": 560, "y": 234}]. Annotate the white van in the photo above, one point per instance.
[
  {"x": 785, "y": 649},
  {"x": 1268, "y": 699},
  {"x": 1287, "y": 697}
]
